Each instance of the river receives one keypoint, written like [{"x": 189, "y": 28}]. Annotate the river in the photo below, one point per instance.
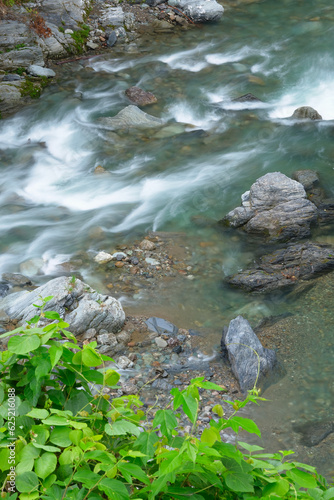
[{"x": 53, "y": 206}]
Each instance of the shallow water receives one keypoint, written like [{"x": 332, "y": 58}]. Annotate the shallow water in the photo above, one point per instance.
[{"x": 53, "y": 206}]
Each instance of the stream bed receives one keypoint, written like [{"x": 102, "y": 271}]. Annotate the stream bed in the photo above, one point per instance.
[{"x": 56, "y": 210}]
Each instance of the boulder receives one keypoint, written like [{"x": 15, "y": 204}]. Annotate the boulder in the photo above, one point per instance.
[
  {"x": 140, "y": 97},
  {"x": 308, "y": 178},
  {"x": 200, "y": 11},
  {"x": 276, "y": 207},
  {"x": 306, "y": 113},
  {"x": 286, "y": 267},
  {"x": 131, "y": 117},
  {"x": 312, "y": 433},
  {"x": 68, "y": 13},
  {"x": 245, "y": 352},
  {"x": 77, "y": 303}
]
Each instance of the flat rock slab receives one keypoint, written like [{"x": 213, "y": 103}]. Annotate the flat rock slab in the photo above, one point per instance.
[
  {"x": 250, "y": 361},
  {"x": 286, "y": 267},
  {"x": 131, "y": 117},
  {"x": 161, "y": 326},
  {"x": 275, "y": 207},
  {"x": 35, "y": 70},
  {"x": 77, "y": 303}
]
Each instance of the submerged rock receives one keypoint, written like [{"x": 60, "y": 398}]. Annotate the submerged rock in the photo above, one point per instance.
[
  {"x": 306, "y": 113},
  {"x": 286, "y": 267},
  {"x": 140, "y": 96},
  {"x": 131, "y": 117},
  {"x": 200, "y": 11},
  {"x": 276, "y": 207},
  {"x": 314, "y": 432},
  {"x": 247, "y": 98},
  {"x": 245, "y": 352},
  {"x": 161, "y": 326},
  {"x": 77, "y": 303}
]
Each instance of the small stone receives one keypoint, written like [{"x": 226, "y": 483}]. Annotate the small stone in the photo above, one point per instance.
[
  {"x": 140, "y": 96},
  {"x": 107, "y": 339},
  {"x": 92, "y": 45},
  {"x": 3, "y": 290},
  {"x": 99, "y": 169},
  {"x": 161, "y": 326},
  {"x": 160, "y": 342},
  {"x": 147, "y": 245},
  {"x": 36, "y": 70},
  {"x": 134, "y": 261},
  {"x": 123, "y": 337},
  {"x": 178, "y": 349},
  {"x": 129, "y": 388},
  {"x": 110, "y": 285},
  {"x": 152, "y": 262},
  {"x": 103, "y": 257},
  {"x": 123, "y": 362},
  {"x": 90, "y": 333},
  {"x": 119, "y": 264},
  {"x": 119, "y": 256},
  {"x": 112, "y": 38},
  {"x": 11, "y": 78},
  {"x": 131, "y": 344},
  {"x": 68, "y": 31},
  {"x": 133, "y": 270}
]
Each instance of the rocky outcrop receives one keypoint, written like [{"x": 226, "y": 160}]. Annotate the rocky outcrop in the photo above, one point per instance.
[
  {"x": 130, "y": 117},
  {"x": 286, "y": 267},
  {"x": 78, "y": 304},
  {"x": 251, "y": 363},
  {"x": 140, "y": 96},
  {"x": 306, "y": 113},
  {"x": 275, "y": 207},
  {"x": 200, "y": 11},
  {"x": 247, "y": 98}
]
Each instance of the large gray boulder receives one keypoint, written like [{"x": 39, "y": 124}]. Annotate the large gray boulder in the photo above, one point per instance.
[
  {"x": 200, "y": 11},
  {"x": 276, "y": 207},
  {"x": 241, "y": 344},
  {"x": 130, "y": 117},
  {"x": 286, "y": 267},
  {"x": 78, "y": 304}
]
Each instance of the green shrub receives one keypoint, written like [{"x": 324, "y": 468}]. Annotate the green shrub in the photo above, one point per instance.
[
  {"x": 76, "y": 443},
  {"x": 80, "y": 37}
]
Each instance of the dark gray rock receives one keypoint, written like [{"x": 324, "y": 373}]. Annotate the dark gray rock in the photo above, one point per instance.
[
  {"x": 306, "y": 113},
  {"x": 11, "y": 78},
  {"x": 134, "y": 261},
  {"x": 77, "y": 303},
  {"x": 308, "y": 178},
  {"x": 314, "y": 432},
  {"x": 4, "y": 289},
  {"x": 286, "y": 267},
  {"x": 247, "y": 98},
  {"x": 111, "y": 38},
  {"x": 161, "y": 326},
  {"x": 242, "y": 344},
  {"x": 276, "y": 207}
]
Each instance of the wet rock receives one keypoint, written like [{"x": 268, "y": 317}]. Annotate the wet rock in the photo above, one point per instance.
[
  {"x": 147, "y": 245},
  {"x": 103, "y": 258},
  {"x": 240, "y": 342},
  {"x": 306, "y": 113},
  {"x": 161, "y": 326},
  {"x": 77, "y": 303},
  {"x": 111, "y": 38},
  {"x": 200, "y": 11},
  {"x": 32, "y": 267},
  {"x": 276, "y": 207},
  {"x": 11, "y": 78},
  {"x": 10, "y": 98},
  {"x": 4, "y": 289},
  {"x": 247, "y": 98},
  {"x": 36, "y": 70},
  {"x": 123, "y": 362},
  {"x": 140, "y": 97},
  {"x": 130, "y": 117},
  {"x": 134, "y": 261},
  {"x": 16, "y": 279},
  {"x": 152, "y": 262},
  {"x": 286, "y": 267},
  {"x": 314, "y": 432},
  {"x": 308, "y": 178}
]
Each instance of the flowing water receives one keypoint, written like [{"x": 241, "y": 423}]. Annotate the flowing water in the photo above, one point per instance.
[{"x": 54, "y": 208}]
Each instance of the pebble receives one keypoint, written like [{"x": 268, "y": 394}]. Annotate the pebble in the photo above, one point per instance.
[
  {"x": 123, "y": 362},
  {"x": 147, "y": 245},
  {"x": 103, "y": 257},
  {"x": 119, "y": 264},
  {"x": 134, "y": 261},
  {"x": 152, "y": 262},
  {"x": 160, "y": 342}
]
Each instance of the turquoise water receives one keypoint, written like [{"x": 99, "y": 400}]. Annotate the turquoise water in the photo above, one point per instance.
[{"x": 52, "y": 204}]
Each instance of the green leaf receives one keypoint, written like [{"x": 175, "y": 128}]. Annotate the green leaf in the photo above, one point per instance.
[
  {"x": 49, "y": 481},
  {"x": 90, "y": 357},
  {"x": 27, "y": 452},
  {"x": 27, "y": 482},
  {"x": 210, "y": 436},
  {"x": 2, "y": 393},
  {"x": 101, "y": 456},
  {"x": 38, "y": 413},
  {"x": 51, "y": 315},
  {"x": 52, "y": 449},
  {"x": 115, "y": 490},
  {"x": 190, "y": 407},
  {"x": 55, "y": 353},
  {"x": 245, "y": 423},
  {"x": 45, "y": 465},
  {"x": 24, "y": 466},
  {"x": 121, "y": 427},
  {"x": 4, "y": 456},
  {"x": 111, "y": 377},
  {"x": 302, "y": 478},
  {"x": 55, "y": 420},
  {"x": 218, "y": 409},
  {"x": 131, "y": 470},
  {"x": 239, "y": 481},
  {"x": 250, "y": 447},
  {"x": 280, "y": 488},
  {"x": 329, "y": 494},
  {"x": 79, "y": 401},
  {"x": 60, "y": 436},
  {"x": 75, "y": 436},
  {"x": 145, "y": 443},
  {"x": 24, "y": 344},
  {"x": 167, "y": 421},
  {"x": 87, "y": 478}
]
